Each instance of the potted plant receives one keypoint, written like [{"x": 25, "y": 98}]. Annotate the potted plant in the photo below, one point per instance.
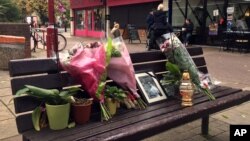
[
  {"x": 57, "y": 105},
  {"x": 81, "y": 110},
  {"x": 113, "y": 97}
]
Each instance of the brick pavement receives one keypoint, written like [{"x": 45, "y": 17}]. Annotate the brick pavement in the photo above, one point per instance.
[{"x": 230, "y": 69}]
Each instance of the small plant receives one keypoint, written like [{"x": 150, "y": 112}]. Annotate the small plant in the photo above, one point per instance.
[
  {"x": 115, "y": 93},
  {"x": 82, "y": 101},
  {"x": 173, "y": 75},
  {"x": 49, "y": 96}
]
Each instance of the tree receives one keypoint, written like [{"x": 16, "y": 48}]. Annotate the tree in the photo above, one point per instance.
[
  {"x": 8, "y": 11},
  {"x": 27, "y": 7}
]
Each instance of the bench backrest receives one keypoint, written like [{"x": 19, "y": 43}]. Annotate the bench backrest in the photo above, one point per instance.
[{"x": 45, "y": 73}]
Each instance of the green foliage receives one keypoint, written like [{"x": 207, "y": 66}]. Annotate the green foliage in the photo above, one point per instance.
[
  {"x": 8, "y": 11},
  {"x": 115, "y": 53},
  {"x": 173, "y": 76},
  {"x": 40, "y": 7},
  {"x": 50, "y": 96},
  {"x": 115, "y": 93}
]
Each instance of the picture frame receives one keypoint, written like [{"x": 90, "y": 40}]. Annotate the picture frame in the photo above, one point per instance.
[{"x": 150, "y": 88}]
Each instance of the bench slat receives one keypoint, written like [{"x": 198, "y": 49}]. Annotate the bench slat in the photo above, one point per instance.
[
  {"x": 47, "y": 81},
  {"x": 158, "y": 55},
  {"x": 125, "y": 121},
  {"x": 161, "y": 123},
  {"x": 32, "y": 66},
  {"x": 133, "y": 120},
  {"x": 161, "y": 65},
  {"x": 47, "y": 65}
]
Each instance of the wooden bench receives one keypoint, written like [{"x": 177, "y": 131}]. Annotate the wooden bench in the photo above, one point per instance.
[{"x": 127, "y": 124}]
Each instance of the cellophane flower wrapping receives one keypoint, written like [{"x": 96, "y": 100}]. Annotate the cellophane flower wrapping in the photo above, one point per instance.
[
  {"x": 178, "y": 54},
  {"x": 121, "y": 71},
  {"x": 87, "y": 64}
]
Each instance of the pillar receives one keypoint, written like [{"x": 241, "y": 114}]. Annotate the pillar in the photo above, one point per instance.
[
  {"x": 71, "y": 22},
  {"x": 107, "y": 22}
]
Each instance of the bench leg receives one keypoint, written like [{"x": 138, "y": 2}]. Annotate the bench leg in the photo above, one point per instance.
[
  {"x": 25, "y": 139},
  {"x": 204, "y": 125}
]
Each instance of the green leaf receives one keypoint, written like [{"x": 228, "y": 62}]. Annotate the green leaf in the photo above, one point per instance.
[
  {"x": 22, "y": 91},
  {"x": 174, "y": 69},
  {"x": 71, "y": 125},
  {"x": 108, "y": 51},
  {"x": 36, "y": 114},
  {"x": 63, "y": 93}
]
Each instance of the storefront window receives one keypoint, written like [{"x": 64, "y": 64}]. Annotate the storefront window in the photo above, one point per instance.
[
  {"x": 90, "y": 19},
  {"x": 178, "y": 13},
  {"x": 80, "y": 19},
  {"x": 240, "y": 14},
  {"x": 99, "y": 19}
]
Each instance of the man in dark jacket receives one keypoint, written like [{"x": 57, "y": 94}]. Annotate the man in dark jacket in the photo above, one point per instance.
[
  {"x": 150, "y": 20},
  {"x": 160, "y": 26},
  {"x": 187, "y": 31}
]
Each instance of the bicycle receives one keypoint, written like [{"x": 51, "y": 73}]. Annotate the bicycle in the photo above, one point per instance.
[{"x": 36, "y": 38}]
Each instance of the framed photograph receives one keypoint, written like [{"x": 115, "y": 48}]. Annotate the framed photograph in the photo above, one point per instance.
[{"x": 150, "y": 88}]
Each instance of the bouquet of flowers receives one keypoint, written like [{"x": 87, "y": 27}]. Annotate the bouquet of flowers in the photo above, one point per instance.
[
  {"x": 87, "y": 64},
  {"x": 121, "y": 71},
  {"x": 92, "y": 63},
  {"x": 177, "y": 54}
]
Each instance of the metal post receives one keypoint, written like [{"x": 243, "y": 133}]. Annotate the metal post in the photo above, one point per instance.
[
  {"x": 204, "y": 125},
  {"x": 52, "y": 46},
  {"x": 225, "y": 13},
  {"x": 186, "y": 9},
  {"x": 170, "y": 9},
  {"x": 204, "y": 21}
]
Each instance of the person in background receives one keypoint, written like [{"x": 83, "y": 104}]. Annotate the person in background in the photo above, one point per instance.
[
  {"x": 240, "y": 23},
  {"x": 159, "y": 27},
  {"x": 187, "y": 31},
  {"x": 150, "y": 20},
  {"x": 115, "y": 30}
]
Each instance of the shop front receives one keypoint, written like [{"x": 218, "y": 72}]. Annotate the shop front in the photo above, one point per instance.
[
  {"x": 88, "y": 18},
  {"x": 89, "y": 22},
  {"x": 89, "y": 15}
]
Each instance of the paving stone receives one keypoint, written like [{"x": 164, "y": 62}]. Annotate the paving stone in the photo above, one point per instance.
[
  {"x": 15, "y": 138},
  {"x": 232, "y": 117},
  {"x": 7, "y": 100},
  {"x": 4, "y": 113},
  {"x": 5, "y": 92},
  {"x": 4, "y": 84},
  {"x": 8, "y": 128},
  {"x": 196, "y": 131},
  {"x": 223, "y": 136},
  {"x": 217, "y": 124},
  {"x": 224, "y": 127},
  {"x": 215, "y": 131},
  {"x": 195, "y": 123},
  {"x": 4, "y": 74},
  {"x": 197, "y": 138},
  {"x": 12, "y": 109}
]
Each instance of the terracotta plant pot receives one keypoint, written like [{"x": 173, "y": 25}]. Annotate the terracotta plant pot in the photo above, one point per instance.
[
  {"x": 112, "y": 105},
  {"x": 58, "y": 116},
  {"x": 81, "y": 112}
]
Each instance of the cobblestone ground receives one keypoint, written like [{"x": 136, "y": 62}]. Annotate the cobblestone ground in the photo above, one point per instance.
[{"x": 226, "y": 68}]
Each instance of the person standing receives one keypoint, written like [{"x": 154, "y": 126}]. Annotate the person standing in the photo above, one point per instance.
[
  {"x": 115, "y": 30},
  {"x": 160, "y": 26},
  {"x": 150, "y": 20},
  {"x": 187, "y": 31}
]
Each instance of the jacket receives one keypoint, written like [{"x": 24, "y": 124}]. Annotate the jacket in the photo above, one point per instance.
[{"x": 160, "y": 21}]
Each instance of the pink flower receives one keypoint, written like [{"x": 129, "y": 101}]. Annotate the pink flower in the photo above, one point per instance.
[{"x": 165, "y": 46}]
